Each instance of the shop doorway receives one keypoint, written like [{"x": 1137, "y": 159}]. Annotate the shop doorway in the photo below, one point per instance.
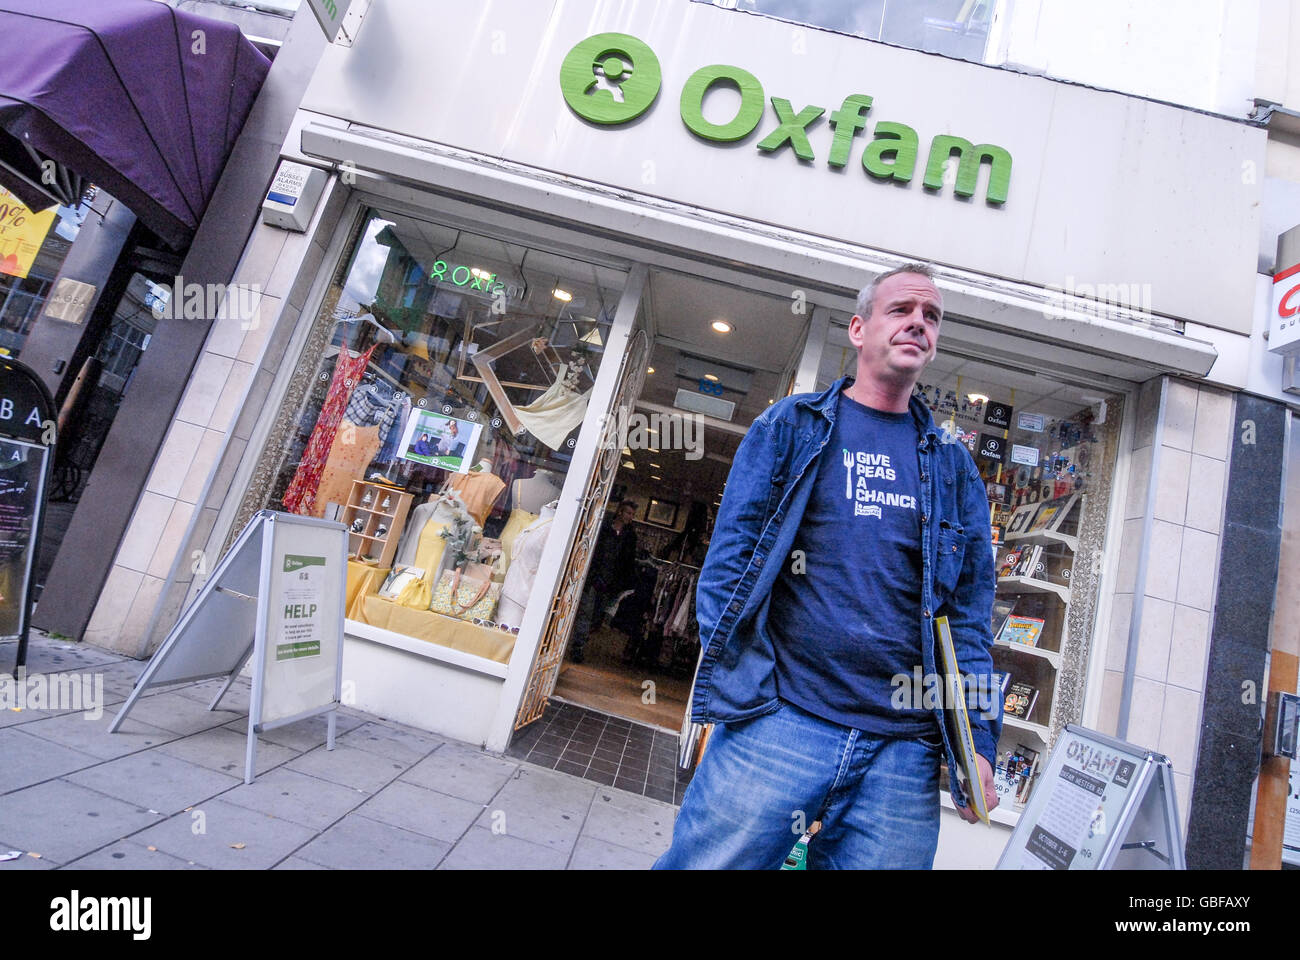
[{"x": 720, "y": 356}]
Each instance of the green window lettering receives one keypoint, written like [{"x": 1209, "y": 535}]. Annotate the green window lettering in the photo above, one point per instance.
[
  {"x": 971, "y": 157},
  {"x": 793, "y": 129},
  {"x": 892, "y": 154},
  {"x": 746, "y": 118}
]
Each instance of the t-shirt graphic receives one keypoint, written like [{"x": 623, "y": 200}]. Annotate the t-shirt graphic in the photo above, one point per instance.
[
  {"x": 869, "y": 479},
  {"x": 845, "y": 612}
]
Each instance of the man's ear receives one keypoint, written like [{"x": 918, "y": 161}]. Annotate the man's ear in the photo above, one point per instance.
[{"x": 855, "y": 330}]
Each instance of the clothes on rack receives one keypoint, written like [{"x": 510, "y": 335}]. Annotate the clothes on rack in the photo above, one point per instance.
[
  {"x": 391, "y": 428},
  {"x": 368, "y": 403},
  {"x": 300, "y": 497},
  {"x": 353, "y": 450}
]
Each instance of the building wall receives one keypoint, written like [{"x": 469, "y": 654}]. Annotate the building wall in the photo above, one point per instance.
[{"x": 1167, "y": 573}]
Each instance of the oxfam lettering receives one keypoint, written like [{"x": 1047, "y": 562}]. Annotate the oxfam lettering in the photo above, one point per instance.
[{"x": 613, "y": 78}]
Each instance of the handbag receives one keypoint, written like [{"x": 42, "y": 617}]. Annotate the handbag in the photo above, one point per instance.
[{"x": 465, "y": 598}]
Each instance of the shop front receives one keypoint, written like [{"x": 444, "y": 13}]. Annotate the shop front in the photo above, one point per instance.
[{"x": 519, "y": 305}]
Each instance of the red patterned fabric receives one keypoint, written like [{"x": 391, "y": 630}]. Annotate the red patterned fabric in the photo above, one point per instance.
[{"x": 301, "y": 495}]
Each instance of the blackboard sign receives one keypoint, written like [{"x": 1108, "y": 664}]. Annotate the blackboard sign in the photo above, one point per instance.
[{"x": 27, "y": 436}]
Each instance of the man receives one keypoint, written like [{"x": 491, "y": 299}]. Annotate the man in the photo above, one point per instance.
[
  {"x": 848, "y": 526},
  {"x": 613, "y": 568}
]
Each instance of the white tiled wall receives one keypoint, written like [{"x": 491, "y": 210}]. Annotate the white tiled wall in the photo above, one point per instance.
[
  {"x": 1187, "y": 472},
  {"x": 208, "y": 435}
]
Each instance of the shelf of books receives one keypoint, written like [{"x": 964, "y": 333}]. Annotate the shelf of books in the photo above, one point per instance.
[{"x": 1030, "y": 617}]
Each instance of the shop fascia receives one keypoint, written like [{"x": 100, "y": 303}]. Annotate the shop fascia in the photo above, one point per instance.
[{"x": 629, "y": 67}]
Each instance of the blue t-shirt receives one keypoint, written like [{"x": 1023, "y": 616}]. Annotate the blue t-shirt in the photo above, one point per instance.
[{"x": 845, "y": 613}]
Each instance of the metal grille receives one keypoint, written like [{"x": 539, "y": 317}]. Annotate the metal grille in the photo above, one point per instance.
[{"x": 550, "y": 652}]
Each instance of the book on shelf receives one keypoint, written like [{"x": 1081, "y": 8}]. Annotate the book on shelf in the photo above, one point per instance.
[
  {"x": 1002, "y": 608},
  {"x": 1001, "y": 682},
  {"x": 1019, "y": 701},
  {"x": 1021, "y": 630}
]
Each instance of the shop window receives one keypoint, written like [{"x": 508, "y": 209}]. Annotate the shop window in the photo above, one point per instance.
[
  {"x": 435, "y": 412},
  {"x": 1046, "y": 450},
  {"x": 955, "y": 28}
]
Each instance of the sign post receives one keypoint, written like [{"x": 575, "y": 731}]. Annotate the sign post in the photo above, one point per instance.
[
  {"x": 277, "y": 596},
  {"x": 1100, "y": 804},
  {"x": 27, "y": 436}
]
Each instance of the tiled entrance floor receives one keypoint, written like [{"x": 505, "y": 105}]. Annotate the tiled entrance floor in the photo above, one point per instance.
[{"x": 604, "y": 749}]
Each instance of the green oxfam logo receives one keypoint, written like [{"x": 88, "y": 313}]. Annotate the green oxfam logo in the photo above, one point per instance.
[{"x": 610, "y": 78}]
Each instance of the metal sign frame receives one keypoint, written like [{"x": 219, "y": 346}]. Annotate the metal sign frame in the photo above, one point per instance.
[
  {"x": 221, "y": 604},
  {"x": 18, "y": 375},
  {"x": 1145, "y": 834}
]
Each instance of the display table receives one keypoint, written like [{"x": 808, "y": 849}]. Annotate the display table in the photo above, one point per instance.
[{"x": 364, "y": 605}]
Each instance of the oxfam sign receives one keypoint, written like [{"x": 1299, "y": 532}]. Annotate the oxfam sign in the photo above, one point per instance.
[{"x": 613, "y": 78}]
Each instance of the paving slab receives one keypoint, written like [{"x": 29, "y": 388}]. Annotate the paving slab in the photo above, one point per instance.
[
  {"x": 484, "y": 850},
  {"x": 28, "y": 759},
  {"x": 304, "y": 735},
  {"x": 236, "y": 699},
  {"x": 593, "y": 854},
  {"x": 178, "y": 713},
  {"x": 422, "y": 811},
  {"x": 24, "y": 862},
  {"x": 129, "y": 855},
  {"x": 463, "y": 772},
  {"x": 91, "y": 736},
  {"x": 223, "y": 750},
  {"x": 231, "y": 837},
  {"x": 630, "y": 821},
  {"x": 155, "y": 780},
  {"x": 350, "y": 767},
  {"x": 359, "y": 843},
  {"x": 64, "y": 821},
  {"x": 391, "y": 742},
  {"x": 541, "y": 807},
  {"x": 298, "y": 863},
  {"x": 297, "y": 797}
]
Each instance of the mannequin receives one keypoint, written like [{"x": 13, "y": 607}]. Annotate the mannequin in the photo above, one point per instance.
[
  {"x": 525, "y": 558},
  {"x": 478, "y": 489},
  {"x": 438, "y": 510},
  {"x": 541, "y": 488}
]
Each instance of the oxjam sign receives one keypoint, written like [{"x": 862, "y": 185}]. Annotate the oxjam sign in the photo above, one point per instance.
[{"x": 612, "y": 78}]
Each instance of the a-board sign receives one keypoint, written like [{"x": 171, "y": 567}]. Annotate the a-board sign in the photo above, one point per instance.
[
  {"x": 27, "y": 437},
  {"x": 1099, "y": 804},
  {"x": 277, "y": 596}
]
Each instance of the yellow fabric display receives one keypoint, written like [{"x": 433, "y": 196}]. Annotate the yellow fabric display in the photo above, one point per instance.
[
  {"x": 519, "y": 519},
  {"x": 346, "y": 462},
  {"x": 364, "y": 579},
  {"x": 487, "y": 642},
  {"x": 428, "y": 555}
]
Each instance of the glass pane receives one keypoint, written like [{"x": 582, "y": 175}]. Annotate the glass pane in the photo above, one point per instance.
[{"x": 451, "y": 374}]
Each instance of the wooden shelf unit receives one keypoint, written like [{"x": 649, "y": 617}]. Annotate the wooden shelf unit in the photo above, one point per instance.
[{"x": 368, "y": 543}]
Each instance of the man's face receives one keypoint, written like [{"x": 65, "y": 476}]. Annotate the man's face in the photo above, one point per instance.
[
  {"x": 627, "y": 513},
  {"x": 899, "y": 339}
]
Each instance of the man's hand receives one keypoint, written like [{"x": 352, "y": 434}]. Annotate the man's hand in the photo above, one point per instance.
[{"x": 967, "y": 812}]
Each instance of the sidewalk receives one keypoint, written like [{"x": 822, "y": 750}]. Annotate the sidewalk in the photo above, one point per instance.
[{"x": 167, "y": 791}]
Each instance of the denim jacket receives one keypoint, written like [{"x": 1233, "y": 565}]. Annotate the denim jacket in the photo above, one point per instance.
[{"x": 767, "y": 491}]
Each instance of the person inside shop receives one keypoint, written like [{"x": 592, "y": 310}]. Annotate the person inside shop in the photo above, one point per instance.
[
  {"x": 613, "y": 569},
  {"x": 802, "y": 655}
]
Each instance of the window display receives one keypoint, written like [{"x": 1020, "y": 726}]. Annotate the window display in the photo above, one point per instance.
[{"x": 442, "y": 387}]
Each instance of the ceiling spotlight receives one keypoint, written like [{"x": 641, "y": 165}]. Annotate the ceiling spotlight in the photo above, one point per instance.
[
  {"x": 593, "y": 338},
  {"x": 564, "y": 295},
  {"x": 709, "y": 376},
  {"x": 629, "y": 464},
  {"x": 977, "y": 398},
  {"x": 653, "y": 449},
  {"x": 481, "y": 273},
  {"x": 722, "y": 326},
  {"x": 653, "y": 477},
  {"x": 649, "y": 369},
  {"x": 627, "y": 452},
  {"x": 656, "y": 466}
]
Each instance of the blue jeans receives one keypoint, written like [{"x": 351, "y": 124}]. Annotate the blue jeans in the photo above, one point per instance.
[{"x": 762, "y": 780}]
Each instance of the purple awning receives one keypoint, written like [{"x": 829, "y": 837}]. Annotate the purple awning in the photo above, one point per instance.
[{"x": 144, "y": 100}]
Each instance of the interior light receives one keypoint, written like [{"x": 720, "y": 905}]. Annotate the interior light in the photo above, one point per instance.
[
  {"x": 627, "y": 452},
  {"x": 656, "y": 466},
  {"x": 709, "y": 376},
  {"x": 653, "y": 449},
  {"x": 649, "y": 369},
  {"x": 481, "y": 273},
  {"x": 593, "y": 338},
  {"x": 653, "y": 477},
  {"x": 977, "y": 398},
  {"x": 722, "y": 326},
  {"x": 564, "y": 295},
  {"x": 629, "y": 464},
  {"x": 652, "y": 430}
]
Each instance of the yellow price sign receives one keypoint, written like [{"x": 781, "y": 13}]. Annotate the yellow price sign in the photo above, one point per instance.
[{"x": 21, "y": 234}]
